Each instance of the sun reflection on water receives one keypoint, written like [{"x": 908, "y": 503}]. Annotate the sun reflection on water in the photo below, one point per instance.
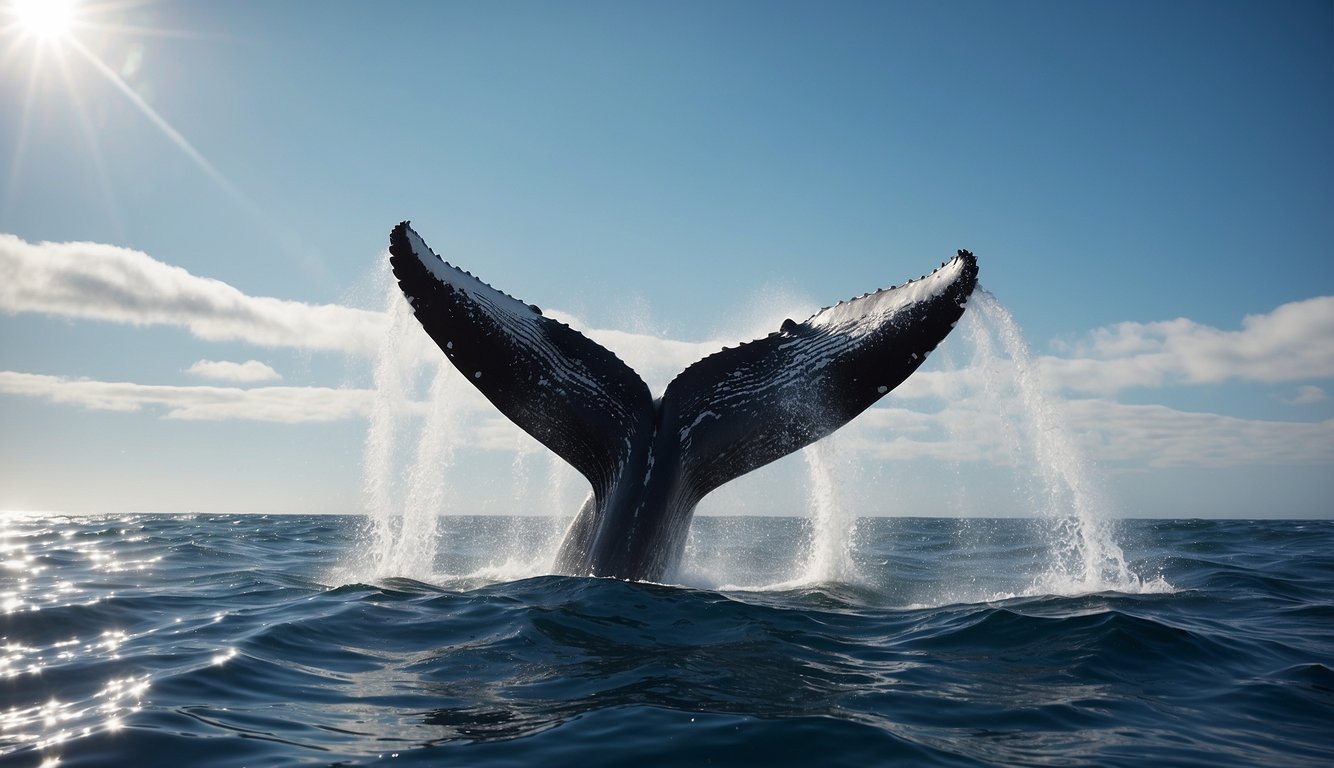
[
  {"x": 54, "y": 721},
  {"x": 55, "y": 565}
]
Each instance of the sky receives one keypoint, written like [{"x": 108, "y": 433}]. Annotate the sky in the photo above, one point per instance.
[{"x": 195, "y": 201}]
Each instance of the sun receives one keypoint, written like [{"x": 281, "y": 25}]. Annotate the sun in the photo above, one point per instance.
[{"x": 46, "y": 20}]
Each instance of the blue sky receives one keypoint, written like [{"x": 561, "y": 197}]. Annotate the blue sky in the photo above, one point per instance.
[{"x": 1149, "y": 187}]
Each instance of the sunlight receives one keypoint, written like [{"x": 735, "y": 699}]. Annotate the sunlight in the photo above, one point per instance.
[
  {"x": 46, "y": 28},
  {"x": 166, "y": 128},
  {"x": 47, "y": 20}
]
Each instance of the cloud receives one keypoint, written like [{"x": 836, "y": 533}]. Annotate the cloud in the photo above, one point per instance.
[
  {"x": 106, "y": 282},
  {"x": 1159, "y": 437},
  {"x": 975, "y": 428},
  {"x": 1307, "y": 395},
  {"x": 1295, "y": 342},
  {"x": 287, "y": 405},
  {"x": 1115, "y": 435},
  {"x": 249, "y": 372}
]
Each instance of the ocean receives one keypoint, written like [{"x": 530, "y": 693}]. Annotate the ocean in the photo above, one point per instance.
[{"x": 244, "y": 640}]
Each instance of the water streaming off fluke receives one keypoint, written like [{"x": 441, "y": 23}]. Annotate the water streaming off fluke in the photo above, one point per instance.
[{"x": 415, "y": 433}]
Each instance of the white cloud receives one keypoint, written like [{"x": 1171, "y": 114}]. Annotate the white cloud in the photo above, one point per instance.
[
  {"x": 1307, "y": 395},
  {"x": 1295, "y": 342},
  {"x": 290, "y": 405},
  {"x": 980, "y": 429},
  {"x": 106, "y": 282},
  {"x": 249, "y": 372},
  {"x": 1157, "y": 436}
]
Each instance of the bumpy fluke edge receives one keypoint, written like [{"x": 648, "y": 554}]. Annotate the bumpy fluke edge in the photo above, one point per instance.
[{"x": 744, "y": 407}]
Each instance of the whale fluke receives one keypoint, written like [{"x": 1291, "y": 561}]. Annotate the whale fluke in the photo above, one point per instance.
[{"x": 649, "y": 463}]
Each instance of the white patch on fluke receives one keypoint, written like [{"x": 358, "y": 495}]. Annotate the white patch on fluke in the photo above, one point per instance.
[
  {"x": 849, "y": 315},
  {"x": 685, "y": 433}
]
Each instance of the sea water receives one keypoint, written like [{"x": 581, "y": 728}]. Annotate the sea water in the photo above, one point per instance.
[{"x": 175, "y": 640}]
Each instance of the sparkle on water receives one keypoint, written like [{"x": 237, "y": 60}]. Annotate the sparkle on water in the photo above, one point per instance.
[{"x": 25, "y": 589}]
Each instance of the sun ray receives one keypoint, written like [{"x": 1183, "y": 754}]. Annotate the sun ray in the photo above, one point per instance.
[
  {"x": 106, "y": 18},
  {"x": 94, "y": 146},
  {"x": 25, "y": 118},
  {"x": 161, "y": 123},
  {"x": 48, "y": 27}
]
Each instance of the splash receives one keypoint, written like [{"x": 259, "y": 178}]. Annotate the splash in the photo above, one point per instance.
[
  {"x": 1083, "y": 554},
  {"x": 416, "y": 527},
  {"x": 403, "y": 507},
  {"x": 833, "y": 523}
]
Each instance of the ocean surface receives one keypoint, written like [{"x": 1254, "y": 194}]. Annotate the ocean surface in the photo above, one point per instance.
[{"x": 286, "y": 640}]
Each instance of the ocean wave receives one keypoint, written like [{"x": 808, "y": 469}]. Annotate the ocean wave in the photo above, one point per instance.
[{"x": 222, "y": 645}]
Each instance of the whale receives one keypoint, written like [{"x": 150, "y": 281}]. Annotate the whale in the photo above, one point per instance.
[{"x": 650, "y": 461}]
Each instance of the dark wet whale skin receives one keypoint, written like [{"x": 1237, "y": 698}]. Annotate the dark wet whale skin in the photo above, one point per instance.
[{"x": 650, "y": 462}]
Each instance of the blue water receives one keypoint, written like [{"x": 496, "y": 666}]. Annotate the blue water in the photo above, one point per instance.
[{"x": 248, "y": 640}]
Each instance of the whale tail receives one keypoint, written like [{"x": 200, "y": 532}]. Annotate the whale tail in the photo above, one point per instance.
[
  {"x": 723, "y": 416},
  {"x": 746, "y": 406},
  {"x": 570, "y": 393}
]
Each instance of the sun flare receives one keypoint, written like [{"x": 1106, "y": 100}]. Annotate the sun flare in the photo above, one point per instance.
[{"x": 47, "y": 20}]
